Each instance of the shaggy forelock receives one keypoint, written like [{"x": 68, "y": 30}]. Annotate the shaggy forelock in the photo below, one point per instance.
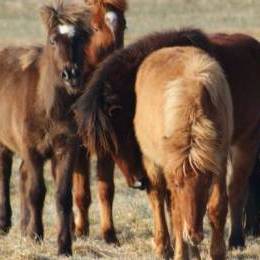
[{"x": 60, "y": 14}]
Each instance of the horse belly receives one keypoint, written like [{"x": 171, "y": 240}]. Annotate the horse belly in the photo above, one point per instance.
[{"x": 10, "y": 130}]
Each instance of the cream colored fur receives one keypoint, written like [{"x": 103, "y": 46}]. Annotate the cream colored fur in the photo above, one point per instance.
[{"x": 184, "y": 117}]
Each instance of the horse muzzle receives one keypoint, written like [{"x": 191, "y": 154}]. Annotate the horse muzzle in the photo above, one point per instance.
[{"x": 71, "y": 76}]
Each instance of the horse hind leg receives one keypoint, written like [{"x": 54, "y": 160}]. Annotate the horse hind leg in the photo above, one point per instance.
[
  {"x": 243, "y": 159},
  {"x": 106, "y": 189},
  {"x": 156, "y": 192},
  {"x": 251, "y": 216},
  {"x": 217, "y": 212},
  {"x": 5, "y": 174},
  {"x": 81, "y": 194}
]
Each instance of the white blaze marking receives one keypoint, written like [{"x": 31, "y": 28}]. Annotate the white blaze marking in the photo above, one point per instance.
[
  {"x": 111, "y": 20},
  {"x": 67, "y": 29}
]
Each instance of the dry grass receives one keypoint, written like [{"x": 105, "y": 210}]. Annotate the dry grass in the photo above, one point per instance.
[{"x": 19, "y": 24}]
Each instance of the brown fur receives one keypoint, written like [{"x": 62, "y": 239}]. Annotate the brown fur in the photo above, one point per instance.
[
  {"x": 59, "y": 13},
  {"x": 103, "y": 41},
  {"x": 37, "y": 123},
  {"x": 105, "y": 112},
  {"x": 121, "y": 5}
]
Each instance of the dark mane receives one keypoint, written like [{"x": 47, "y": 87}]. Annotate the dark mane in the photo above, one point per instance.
[{"x": 115, "y": 78}]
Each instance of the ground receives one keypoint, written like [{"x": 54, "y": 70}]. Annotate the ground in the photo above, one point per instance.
[{"x": 19, "y": 24}]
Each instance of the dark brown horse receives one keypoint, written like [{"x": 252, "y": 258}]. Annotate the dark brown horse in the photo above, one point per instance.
[
  {"x": 38, "y": 86},
  {"x": 106, "y": 110},
  {"x": 252, "y": 209},
  {"x": 108, "y": 23}
]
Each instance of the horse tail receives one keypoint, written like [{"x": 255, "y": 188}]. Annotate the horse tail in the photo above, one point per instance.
[{"x": 198, "y": 118}]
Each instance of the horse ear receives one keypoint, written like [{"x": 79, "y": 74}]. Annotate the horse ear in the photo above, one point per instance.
[
  {"x": 93, "y": 2},
  {"x": 49, "y": 17}
]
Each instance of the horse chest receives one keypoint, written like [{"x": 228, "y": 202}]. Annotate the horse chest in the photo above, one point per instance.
[{"x": 56, "y": 135}]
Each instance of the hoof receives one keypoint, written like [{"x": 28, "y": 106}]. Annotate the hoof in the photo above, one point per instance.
[
  {"x": 65, "y": 252},
  {"x": 81, "y": 232},
  {"x": 4, "y": 228},
  {"x": 164, "y": 251},
  {"x": 219, "y": 257},
  {"x": 36, "y": 236},
  {"x": 110, "y": 237},
  {"x": 236, "y": 241},
  {"x": 141, "y": 184},
  {"x": 5, "y": 223}
]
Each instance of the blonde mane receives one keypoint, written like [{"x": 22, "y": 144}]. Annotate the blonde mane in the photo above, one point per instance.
[{"x": 198, "y": 116}]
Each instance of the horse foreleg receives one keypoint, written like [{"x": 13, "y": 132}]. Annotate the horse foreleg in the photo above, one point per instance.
[
  {"x": 81, "y": 193},
  {"x": 65, "y": 160},
  {"x": 5, "y": 174},
  {"x": 156, "y": 192},
  {"x": 243, "y": 159},
  {"x": 217, "y": 213},
  {"x": 24, "y": 207},
  {"x": 35, "y": 193},
  {"x": 106, "y": 189}
]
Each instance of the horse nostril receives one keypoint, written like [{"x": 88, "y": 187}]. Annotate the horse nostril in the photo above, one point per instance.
[
  {"x": 65, "y": 75},
  {"x": 74, "y": 73}
]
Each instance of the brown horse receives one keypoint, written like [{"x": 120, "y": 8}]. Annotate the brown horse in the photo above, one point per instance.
[
  {"x": 105, "y": 111},
  {"x": 185, "y": 138},
  {"x": 107, "y": 26},
  {"x": 252, "y": 209},
  {"x": 38, "y": 86},
  {"x": 108, "y": 23}
]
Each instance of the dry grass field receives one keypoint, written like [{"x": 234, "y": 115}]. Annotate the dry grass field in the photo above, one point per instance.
[{"x": 19, "y": 24}]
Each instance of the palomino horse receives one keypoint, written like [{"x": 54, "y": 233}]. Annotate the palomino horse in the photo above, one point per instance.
[
  {"x": 183, "y": 124},
  {"x": 106, "y": 110},
  {"x": 108, "y": 23},
  {"x": 38, "y": 86}
]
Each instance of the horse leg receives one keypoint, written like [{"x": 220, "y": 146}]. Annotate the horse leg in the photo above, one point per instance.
[
  {"x": 181, "y": 249},
  {"x": 243, "y": 159},
  {"x": 35, "y": 193},
  {"x": 106, "y": 189},
  {"x": 64, "y": 153},
  {"x": 156, "y": 191},
  {"x": 217, "y": 213},
  {"x": 24, "y": 207},
  {"x": 251, "y": 216},
  {"x": 5, "y": 174},
  {"x": 81, "y": 193}
]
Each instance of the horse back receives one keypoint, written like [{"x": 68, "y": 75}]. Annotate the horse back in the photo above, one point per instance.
[
  {"x": 239, "y": 56},
  {"x": 175, "y": 85},
  {"x": 18, "y": 77}
]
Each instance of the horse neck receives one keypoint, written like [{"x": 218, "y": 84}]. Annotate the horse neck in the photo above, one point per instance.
[
  {"x": 120, "y": 69},
  {"x": 53, "y": 98}
]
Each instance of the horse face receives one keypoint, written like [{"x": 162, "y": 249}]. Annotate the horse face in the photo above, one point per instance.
[
  {"x": 66, "y": 49},
  {"x": 108, "y": 26},
  {"x": 190, "y": 195}
]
